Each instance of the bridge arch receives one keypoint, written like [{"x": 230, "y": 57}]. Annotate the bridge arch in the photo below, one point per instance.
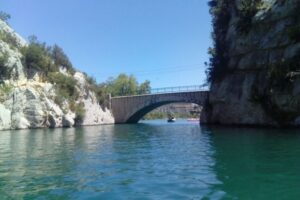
[
  {"x": 138, "y": 115},
  {"x": 130, "y": 109}
]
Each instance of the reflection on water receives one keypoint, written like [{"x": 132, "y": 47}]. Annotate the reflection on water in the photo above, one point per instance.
[
  {"x": 257, "y": 163},
  {"x": 152, "y": 160}
]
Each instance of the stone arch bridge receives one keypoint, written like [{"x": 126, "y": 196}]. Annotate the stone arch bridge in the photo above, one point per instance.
[{"x": 130, "y": 109}]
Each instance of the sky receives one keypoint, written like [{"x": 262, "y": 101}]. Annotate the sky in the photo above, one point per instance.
[{"x": 164, "y": 41}]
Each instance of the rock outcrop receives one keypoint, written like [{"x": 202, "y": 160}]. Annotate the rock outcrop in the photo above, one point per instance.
[
  {"x": 255, "y": 70},
  {"x": 30, "y": 103}
]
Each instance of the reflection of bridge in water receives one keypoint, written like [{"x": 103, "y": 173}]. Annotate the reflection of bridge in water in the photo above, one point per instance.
[{"x": 130, "y": 109}]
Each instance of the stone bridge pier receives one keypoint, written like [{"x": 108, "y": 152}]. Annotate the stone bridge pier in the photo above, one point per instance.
[{"x": 130, "y": 109}]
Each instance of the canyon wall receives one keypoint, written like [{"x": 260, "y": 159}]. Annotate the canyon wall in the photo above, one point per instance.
[
  {"x": 30, "y": 102},
  {"x": 254, "y": 69}
]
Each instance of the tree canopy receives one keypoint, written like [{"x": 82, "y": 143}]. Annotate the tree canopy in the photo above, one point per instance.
[{"x": 126, "y": 85}]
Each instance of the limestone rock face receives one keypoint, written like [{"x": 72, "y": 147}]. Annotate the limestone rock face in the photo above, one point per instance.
[
  {"x": 4, "y": 27},
  {"x": 261, "y": 85},
  {"x": 94, "y": 114},
  {"x": 14, "y": 63},
  {"x": 30, "y": 102},
  {"x": 5, "y": 117},
  {"x": 68, "y": 120}
]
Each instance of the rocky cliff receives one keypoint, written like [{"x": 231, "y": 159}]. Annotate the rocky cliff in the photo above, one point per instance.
[
  {"x": 255, "y": 63},
  {"x": 30, "y": 101}
]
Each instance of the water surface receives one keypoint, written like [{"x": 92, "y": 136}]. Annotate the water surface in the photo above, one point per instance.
[{"x": 150, "y": 160}]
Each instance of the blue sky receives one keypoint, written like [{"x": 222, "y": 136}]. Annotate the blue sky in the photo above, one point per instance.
[{"x": 164, "y": 41}]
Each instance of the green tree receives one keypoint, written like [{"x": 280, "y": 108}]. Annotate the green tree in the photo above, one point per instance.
[
  {"x": 144, "y": 88},
  {"x": 4, "y": 16},
  {"x": 44, "y": 59},
  {"x": 60, "y": 58},
  {"x": 36, "y": 58},
  {"x": 65, "y": 87},
  {"x": 123, "y": 85}
]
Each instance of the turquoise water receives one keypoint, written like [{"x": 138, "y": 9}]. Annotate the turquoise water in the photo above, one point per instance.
[{"x": 150, "y": 160}]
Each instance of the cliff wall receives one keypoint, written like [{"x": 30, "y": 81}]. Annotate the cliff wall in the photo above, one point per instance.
[
  {"x": 255, "y": 64},
  {"x": 31, "y": 102}
]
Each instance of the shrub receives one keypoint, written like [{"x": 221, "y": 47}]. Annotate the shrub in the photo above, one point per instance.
[
  {"x": 217, "y": 66},
  {"x": 9, "y": 38},
  {"x": 65, "y": 87},
  {"x": 36, "y": 58},
  {"x": 61, "y": 59},
  {"x": 246, "y": 12},
  {"x": 5, "y": 90},
  {"x": 5, "y": 72}
]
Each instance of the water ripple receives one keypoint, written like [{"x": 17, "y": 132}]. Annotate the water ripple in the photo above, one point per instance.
[{"x": 149, "y": 161}]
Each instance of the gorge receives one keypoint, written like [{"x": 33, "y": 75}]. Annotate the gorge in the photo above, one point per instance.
[{"x": 253, "y": 73}]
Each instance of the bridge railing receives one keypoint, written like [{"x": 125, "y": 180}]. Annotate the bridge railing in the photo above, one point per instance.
[
  {"x": 188, "y": 88},
  {"x": 178, "y": 89}
]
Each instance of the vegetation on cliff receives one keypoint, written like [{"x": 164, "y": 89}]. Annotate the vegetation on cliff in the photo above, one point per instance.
[
  {"x": 246, "y": 11},
  {"x": 220, "y": 11},
  {"x": 47, "y": 61},
  {"x": 218, "y": 60},
  {"x": 4, "y": 71},
  {"x": 5, "y": 90},
  {"x": 257, "y": 41},
  {"x": 282, "y": 76},
  {"x": 43, "y": 59},
  {"x": 9, "y": 39}
]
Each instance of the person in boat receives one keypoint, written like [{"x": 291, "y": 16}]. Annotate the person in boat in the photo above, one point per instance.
[{"x": 171, "y": 117}]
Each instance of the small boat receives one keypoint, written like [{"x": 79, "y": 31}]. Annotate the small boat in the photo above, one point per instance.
[{"x": 172, "y": 119}]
